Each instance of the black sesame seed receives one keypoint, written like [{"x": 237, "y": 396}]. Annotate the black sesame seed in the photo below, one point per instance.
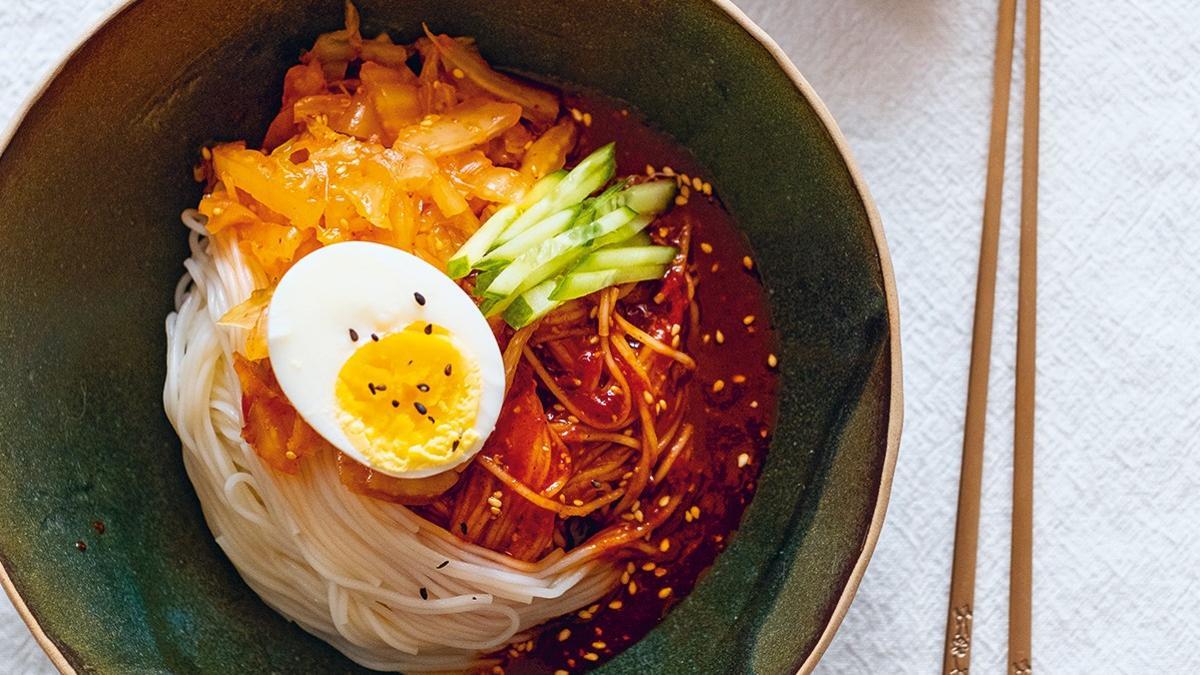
[
  {"x": 431, "y": 420},
  {"x": 443, "y": 564},
  {"x": 420, "y": 407},
  {"x": 424, "y": 593},
  {"x": 410, "y": 362},
  {"x": 429, "y": 329},
  {"x": 395, "y": 404},
  {"x": 371, "y": 386},
  {"x": 353, "y": 335},
  {"x": 596, "y": 484},
  {"x": 419, "y": 298},
  {"x": 374, "y": 337},
  {"x": 463, "y": 527},
  {"x": 447, "y": 370},
  {"x": 454, "y": 446},
  {"x": 381, "y": 387},
  {"x": 423, "y": 387}
]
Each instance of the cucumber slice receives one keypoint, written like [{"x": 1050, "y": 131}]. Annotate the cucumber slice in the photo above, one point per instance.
[
  {"x": 531, "y": 305},
  {"x": 542, "y": 188},
  {"x": 604, "y": 203},
  {"x": 485, "y": 279},
  {"x": 502, "y": 254},
  {"x": 579, "y": 284},
  {"x": 625, "y": 256},
  {"x": 588, "y": 176},
  {"x": 650, "y": 198},
  {"x": 553, "y": 255},
  {"x": 624, "y": 233},
  {"x": 474, "y": 248},
  {"x": 642, "y": 238}
]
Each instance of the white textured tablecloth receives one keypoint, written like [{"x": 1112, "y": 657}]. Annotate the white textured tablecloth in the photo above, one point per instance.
[{"x": 1116, "y": 559}]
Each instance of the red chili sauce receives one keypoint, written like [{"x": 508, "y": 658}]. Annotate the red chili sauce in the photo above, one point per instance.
[{"x": 732, "y": 408}]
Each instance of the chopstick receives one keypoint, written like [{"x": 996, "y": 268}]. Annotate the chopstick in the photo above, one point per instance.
[
  {"x": 1020, "y": 583},
  {"x": 957, "y": 652}
]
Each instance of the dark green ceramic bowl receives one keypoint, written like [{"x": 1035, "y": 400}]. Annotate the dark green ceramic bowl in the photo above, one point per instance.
[{"x": 91, "y": 185}]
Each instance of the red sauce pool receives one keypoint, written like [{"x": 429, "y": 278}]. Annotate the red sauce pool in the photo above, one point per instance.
[{"x": 732, "y": 409}]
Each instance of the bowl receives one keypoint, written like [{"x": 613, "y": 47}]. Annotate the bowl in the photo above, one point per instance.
[{"x": 92, "y": 181}]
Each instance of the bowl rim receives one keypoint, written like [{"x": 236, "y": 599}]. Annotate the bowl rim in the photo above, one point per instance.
[{"x": 891, "y": 298}]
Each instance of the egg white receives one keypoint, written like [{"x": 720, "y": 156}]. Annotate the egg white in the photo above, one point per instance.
[{"x": 370, "y": 287}]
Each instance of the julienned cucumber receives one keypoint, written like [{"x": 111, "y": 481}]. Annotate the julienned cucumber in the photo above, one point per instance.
[
  {"x": 589, "y": 175},
  {"x": 485, "y": 279},
  {"x": 616, "y": 257},
  {"x": 559, "y": 243},
  {"x": 535, "y": 235},
  {"x": 479, "y": 243},
  {"x": 531, "y": 305},
  {"x": 579, "y": 284},
  {"x": 552, "y": 255},
  {"x": 639, "y": 239},
  {"x": 649, "y": 198},
  {"x": 624, "y": 233}
]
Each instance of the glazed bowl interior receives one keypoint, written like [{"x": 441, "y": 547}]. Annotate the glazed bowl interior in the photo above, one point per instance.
[{"x": 90, "y": 250}]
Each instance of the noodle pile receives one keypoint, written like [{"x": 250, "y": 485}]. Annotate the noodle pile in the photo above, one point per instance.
[
  {"x": 589, "y": 457},
  {"x": 342, "y": 566}
]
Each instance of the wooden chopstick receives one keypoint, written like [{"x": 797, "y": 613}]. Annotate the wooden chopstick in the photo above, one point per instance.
[
  {"x": 957, "y": 652},
  {"x": 1020, "y": 583}
]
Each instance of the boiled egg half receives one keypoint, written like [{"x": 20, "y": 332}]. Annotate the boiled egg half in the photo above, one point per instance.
[{"x": 386, "y": 358}]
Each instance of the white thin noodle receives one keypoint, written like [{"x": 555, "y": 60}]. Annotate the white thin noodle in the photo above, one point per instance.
[{"x": 346, "y": 568}]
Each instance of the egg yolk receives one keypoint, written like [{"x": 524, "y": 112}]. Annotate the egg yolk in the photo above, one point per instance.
[{"x": 408, "y": 400}]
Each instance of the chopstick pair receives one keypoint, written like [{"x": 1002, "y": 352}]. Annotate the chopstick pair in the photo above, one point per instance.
[{"x": 959, "y": 620}]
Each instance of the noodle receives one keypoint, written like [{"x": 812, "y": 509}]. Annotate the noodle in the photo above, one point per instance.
[
  {"x": 539, "y": 500},
  {"x": 654, "y": 344}
]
